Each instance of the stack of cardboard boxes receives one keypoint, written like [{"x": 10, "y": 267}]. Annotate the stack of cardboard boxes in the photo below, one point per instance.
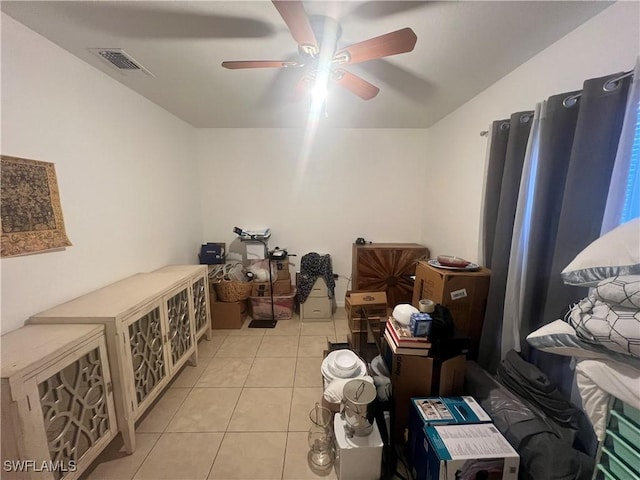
[
  {"x": 452, "y": 438},
  {"x": 411, "y": 375},
  {"x": 283, "y": 294},
  {"x": 226, "y": 314},
  {"x": 463, "y": 292},
  {"x": 258, "y": 305},
  {"x": 359, "y": 307}
]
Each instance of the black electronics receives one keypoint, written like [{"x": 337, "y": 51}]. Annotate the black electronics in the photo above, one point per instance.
[{"x": 212, "y": 253}]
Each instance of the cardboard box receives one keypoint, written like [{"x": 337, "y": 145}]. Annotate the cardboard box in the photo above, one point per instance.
[
  {"x": 357, "y": 458},
  {"x": 228, "y": 314},
  {"x": 356, "y": 342},
  {"x": 360, "y": 324},
  {"x": 466, "y": 452},
  {"x": 463, "y": 293},
  {"x": 374, "y": 303},
  {"x": 432, "y": 411},
  {"x": 282, "y": 266},
  {"x": 280, "y": 287},
  {"x": 213, "y": 296},
  {"x": 416, "y": 376},
  {"x": 283, "y": 306}
]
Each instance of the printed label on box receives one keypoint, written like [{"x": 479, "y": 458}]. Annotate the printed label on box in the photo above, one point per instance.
[{"x": 458, "y": 294}]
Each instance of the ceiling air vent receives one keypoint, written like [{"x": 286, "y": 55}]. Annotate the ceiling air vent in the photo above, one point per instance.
[{"x": 118, "y": 58}]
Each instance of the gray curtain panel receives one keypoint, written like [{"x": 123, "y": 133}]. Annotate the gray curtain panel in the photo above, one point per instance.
[
  {"x": 497, "y": 155},
  {"x": 505, "y": 195},
  {"x": 593, "y": 153},
  {"x": 557, "y": 130},
  {"x": 578, "y": 142}
]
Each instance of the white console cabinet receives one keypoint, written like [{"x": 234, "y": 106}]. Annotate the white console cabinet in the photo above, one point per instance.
[
  {"x": 150, "y": 327},
  {"x": 57, "y": 401},
  {"x": 199, "y": 284}
]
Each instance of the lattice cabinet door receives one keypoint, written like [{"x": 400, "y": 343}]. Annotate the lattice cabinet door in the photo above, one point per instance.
[
  {"x": 198, "y": 276},
  {"x": 180, "y": 326},
  {"x": 145, "y": 338},
  {"x": 62, "y": 415},
  {"x": 202, "y": 316}
]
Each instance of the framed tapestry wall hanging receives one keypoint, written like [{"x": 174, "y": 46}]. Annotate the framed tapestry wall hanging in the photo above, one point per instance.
[{"x": 31, "y": 216}]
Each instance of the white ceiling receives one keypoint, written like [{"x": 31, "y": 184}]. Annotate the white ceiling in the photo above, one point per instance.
[{"x": 462, "y": 48}]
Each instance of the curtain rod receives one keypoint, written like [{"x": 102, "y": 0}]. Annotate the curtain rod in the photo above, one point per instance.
[
  {"x": 571, "y": 100},
  {"x": 609, "y": 85}
]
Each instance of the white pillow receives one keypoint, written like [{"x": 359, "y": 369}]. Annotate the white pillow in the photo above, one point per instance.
[
  {"x": 615, "y": 253},
  {"x": 560, "y": 338}
]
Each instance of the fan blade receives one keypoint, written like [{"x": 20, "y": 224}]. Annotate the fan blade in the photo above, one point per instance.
[
  {"x": 258, "y": 64},
  {"x": 400, "y": 41},
  {"x": 355, "y": 84},
  {"x": 294, "y": 15}
]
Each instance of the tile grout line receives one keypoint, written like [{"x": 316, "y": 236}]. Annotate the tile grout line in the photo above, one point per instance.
[{"x": 145, "y": 457}]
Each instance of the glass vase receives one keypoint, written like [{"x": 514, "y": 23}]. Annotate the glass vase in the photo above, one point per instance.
[{"x": 320, "y": 438}]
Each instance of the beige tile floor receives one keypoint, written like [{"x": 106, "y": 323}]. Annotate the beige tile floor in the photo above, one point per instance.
[{"x": 242, "y": 413}]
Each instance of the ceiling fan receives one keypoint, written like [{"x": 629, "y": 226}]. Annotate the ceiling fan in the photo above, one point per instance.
[{"x": 321, "y": 60}]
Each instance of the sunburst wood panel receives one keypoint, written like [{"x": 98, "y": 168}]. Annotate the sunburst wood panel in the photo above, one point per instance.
[{"x": 387, "y": 267}]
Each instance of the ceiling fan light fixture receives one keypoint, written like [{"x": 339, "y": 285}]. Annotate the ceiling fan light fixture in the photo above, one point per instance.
[
  {"x": 340, "y": 58},
  {"x": 317, "y": 37},
  {"x": 310, "y": 50}
]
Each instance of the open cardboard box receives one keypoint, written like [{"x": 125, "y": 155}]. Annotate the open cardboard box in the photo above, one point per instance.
[
  {"x": 415, "y": 376},
  {"x": 228, "y": 314}
]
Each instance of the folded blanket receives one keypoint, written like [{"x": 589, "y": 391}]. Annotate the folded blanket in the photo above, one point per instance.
[{"x": 530, "y": 383}]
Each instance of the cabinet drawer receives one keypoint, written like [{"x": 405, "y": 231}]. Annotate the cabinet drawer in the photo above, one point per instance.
[
  {"x": 319, "y": 288},
  {"x": 316, "y": 307}
]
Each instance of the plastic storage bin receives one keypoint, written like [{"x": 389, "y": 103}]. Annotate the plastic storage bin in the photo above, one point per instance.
[
  {"x": 631, "y": 413},
  {"x": 626, "y": 428},
  {"x": 283, "y": 306},
  {"x": 624, "y": 451},
  {"x": 617, "y": 467}
]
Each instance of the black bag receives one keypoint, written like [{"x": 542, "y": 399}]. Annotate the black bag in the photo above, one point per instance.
[{"x": 442, "y": 327}]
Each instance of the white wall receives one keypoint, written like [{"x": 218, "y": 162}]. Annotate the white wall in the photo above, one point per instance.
[
  {"x": 125, "y": 172},
  {"x": 608, "y": 43},
  {"x": 130, "y": 186},
  {"x": 316, "y": 195}
]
